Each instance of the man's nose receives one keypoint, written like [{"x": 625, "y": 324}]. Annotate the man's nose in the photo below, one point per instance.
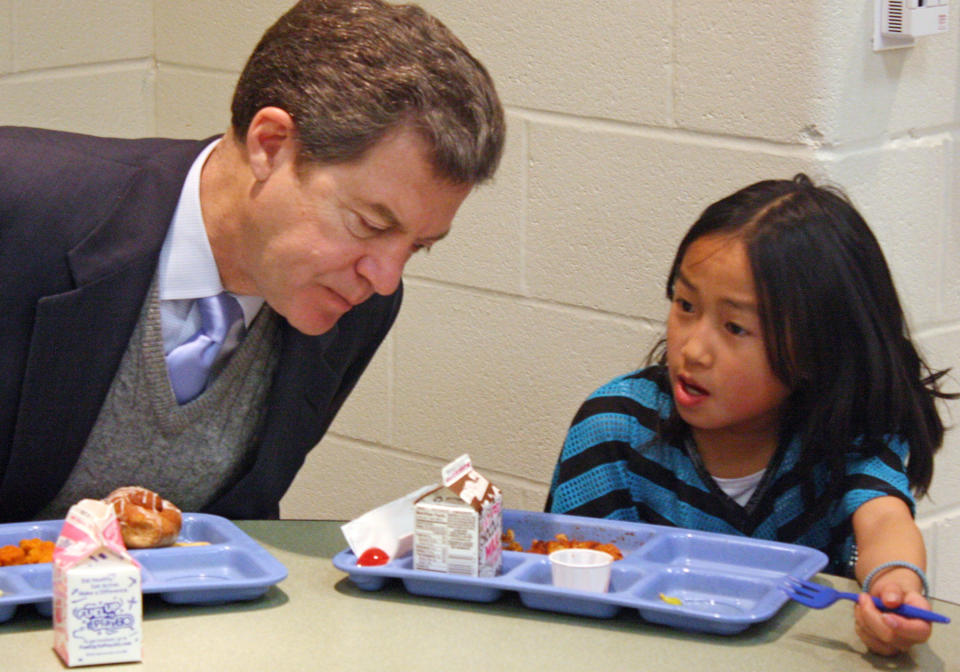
[{"x": 383, "y": 266}]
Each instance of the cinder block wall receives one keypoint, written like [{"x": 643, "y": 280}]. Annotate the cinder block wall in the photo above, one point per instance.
[{"x": 626, "y": 118}]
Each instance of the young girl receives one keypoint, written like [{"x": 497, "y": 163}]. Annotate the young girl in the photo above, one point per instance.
[{"x": 787, "y": 401}]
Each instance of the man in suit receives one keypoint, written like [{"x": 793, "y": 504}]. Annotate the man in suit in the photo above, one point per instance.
[{"x": 358, "y": 128}]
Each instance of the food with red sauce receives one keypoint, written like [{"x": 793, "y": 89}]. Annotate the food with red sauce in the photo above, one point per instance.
[{"x": 559, "y": 542}]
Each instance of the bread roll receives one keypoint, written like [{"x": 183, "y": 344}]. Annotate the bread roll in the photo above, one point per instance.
[{"x": 147, "y": 520}]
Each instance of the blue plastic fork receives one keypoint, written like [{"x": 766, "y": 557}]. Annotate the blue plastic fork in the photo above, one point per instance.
[{"x": 819, "y": 597}]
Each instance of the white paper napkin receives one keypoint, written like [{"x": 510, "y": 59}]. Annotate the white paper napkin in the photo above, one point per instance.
[{"x": 388, "y": 527}]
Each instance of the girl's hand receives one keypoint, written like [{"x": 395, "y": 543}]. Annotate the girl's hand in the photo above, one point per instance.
[
  {"x": 887, "y": 633},
  {"x": 885, "y": 532}
]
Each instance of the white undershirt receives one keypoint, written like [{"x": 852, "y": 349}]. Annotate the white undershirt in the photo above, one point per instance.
[
  {"x": 187, "y": 270},
  {"x": 740, "y": 489}
]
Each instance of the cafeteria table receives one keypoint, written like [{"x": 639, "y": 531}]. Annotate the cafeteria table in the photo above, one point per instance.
[{"x": 316, "y": 619}]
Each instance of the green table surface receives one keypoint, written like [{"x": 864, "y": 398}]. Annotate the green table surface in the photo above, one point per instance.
[{"x": 316, "y": 619}]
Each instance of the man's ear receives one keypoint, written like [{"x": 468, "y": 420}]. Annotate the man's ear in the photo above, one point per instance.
[{"x": 271, "y": 141}]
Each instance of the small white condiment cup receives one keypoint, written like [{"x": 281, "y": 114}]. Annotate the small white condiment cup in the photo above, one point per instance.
[{"x": 581, "y": 569}]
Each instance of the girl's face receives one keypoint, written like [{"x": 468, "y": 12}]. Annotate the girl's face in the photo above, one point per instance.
[{"x": 719, "y": 372}]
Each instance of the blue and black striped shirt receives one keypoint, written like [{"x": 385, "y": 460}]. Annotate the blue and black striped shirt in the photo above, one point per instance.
[{"x": 613, "y": 465}]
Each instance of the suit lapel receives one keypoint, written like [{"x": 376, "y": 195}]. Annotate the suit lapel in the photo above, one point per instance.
[
  {"x": 79, "y": 336},
  {"x": 68, "y": 375}
]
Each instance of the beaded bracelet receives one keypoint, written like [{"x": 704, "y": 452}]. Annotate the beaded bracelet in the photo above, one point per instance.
[{"x": 897, "y": 563}]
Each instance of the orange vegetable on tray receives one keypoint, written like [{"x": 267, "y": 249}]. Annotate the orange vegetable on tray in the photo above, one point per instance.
[
  {"x": 29, "y": 552},
  {"x": 560, "y": 541}
]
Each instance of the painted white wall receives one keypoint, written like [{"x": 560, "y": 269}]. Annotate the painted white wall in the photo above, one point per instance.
[{"x": 626, "y": 118}]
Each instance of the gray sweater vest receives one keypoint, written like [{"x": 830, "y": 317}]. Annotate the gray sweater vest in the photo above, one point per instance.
[{"x": 188, "y": 454}]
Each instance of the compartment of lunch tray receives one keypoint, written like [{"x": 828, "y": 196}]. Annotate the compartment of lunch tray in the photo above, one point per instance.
[
  {"x": 38, "y": 577},
  {"x": 538, "y": 573},
  {"x": 12, "y": 534},
  {"x": 13, "y": 584},
  {"x": 694, "y": 599},
  {"x": 209, "y": 530},
  {"x": 203, "y": 565},
  {"x": 578, "y": 603},
  {"x": 540, "y": 593},
  {"x": 736, "y": 554},
  {"x": 452, "y": 586}
]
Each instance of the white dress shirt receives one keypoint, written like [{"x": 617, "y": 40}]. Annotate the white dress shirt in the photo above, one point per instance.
[{"x": 187, "y": 270}]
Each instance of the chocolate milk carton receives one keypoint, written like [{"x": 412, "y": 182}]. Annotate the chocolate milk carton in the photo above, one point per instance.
[
  {"x": 97, "y": 599},
  {"x": 457, "y": 526}
]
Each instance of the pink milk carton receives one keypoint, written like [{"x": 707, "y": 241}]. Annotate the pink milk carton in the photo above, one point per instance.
[
  {"x": 457, "y": 526},
  {"x": 97, "y": 597}
]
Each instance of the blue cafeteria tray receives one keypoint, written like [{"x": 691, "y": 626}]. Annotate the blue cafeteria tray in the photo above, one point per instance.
[
  {"x": 231, "y": 567},
  {"x": 725, "y": 583}
]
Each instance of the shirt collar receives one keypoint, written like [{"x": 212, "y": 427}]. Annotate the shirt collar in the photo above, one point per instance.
[{"x": 187, "y": 268}]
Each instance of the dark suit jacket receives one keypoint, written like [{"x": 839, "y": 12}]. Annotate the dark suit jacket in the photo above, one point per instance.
[{"x": 82, "y": 221}]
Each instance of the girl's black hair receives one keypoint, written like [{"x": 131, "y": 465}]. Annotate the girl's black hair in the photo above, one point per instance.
[{"x": 833, "y": 325}]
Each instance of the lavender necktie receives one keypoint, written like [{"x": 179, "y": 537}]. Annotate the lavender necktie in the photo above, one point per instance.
[{"x": 189, "y": 363}]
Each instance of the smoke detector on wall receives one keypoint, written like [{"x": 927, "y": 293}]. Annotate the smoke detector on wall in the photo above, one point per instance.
[{"x": 898, "y": 22}]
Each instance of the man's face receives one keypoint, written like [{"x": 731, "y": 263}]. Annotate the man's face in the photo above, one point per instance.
[{"x": 319, "y": 242}]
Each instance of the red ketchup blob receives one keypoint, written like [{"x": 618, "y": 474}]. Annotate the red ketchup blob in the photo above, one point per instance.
[{"x": 373, "y": 556}]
